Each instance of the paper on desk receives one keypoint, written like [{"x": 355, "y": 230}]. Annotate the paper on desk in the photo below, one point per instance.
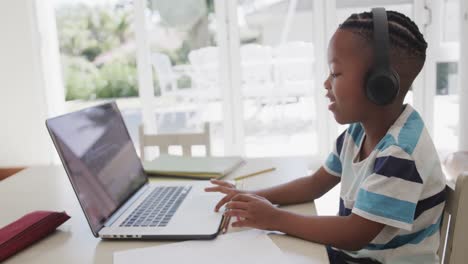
[{"x": 251, "y": 246}]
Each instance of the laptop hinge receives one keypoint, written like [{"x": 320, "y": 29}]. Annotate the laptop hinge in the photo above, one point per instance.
[{"x": 126, "y": 205}]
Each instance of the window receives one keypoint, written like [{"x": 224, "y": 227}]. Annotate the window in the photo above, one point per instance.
[
  {"x": 97, "y": 48},
  {"x": 179, "y": 57},
  {"x": 277, "y": 62},
  {"x": 183, "y": 62},
  {"x": 444, "y": 39}
]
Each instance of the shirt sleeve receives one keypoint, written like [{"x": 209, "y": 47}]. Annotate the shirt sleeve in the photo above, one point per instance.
[
  {"x": 390, "y": 194},
  {"x": 333, "y": 163}
]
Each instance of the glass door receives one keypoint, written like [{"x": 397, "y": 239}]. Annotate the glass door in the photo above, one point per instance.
[
  {"x": 179, "y": 68},
  {"x": 97, "y": 51},
  {"x": 278, "y": 77},
  {"x": 445, "y": 57}
]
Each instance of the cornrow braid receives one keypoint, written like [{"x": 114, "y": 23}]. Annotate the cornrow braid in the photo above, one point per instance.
[{"x": 403, "y": 32}]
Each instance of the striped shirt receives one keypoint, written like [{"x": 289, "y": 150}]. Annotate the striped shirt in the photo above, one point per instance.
[{"x": 400, "y": 184}]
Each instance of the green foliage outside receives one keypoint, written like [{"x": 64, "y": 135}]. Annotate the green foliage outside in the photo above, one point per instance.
[
  {"x": 120, "y": 80},
  {"x": 98, "y": 50},
  {"x": 82, "y": 78},
  {"x": 444, "y": 70},
  {"x": 95, "y": 61}
]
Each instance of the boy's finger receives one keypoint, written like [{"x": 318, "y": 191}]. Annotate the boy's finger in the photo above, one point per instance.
[
  {"x": 226, "y": 199},
  {"x": 220, "y": 189},
  {"x": 236, "y": 205},
  {"x": 242, "y": 223},
  {"x": 243, "y": 197},
  {"x": 222, "y": 183},
  {"x": 237, "y": 212}
]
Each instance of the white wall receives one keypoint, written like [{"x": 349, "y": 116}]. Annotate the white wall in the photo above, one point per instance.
[{"x": 23, "y": 105}]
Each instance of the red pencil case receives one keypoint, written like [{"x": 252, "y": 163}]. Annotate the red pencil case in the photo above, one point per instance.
[{"x": 27, "y": 230}]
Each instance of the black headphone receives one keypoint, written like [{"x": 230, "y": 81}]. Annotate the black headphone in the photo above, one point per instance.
[{"x": 382, "y": 82}]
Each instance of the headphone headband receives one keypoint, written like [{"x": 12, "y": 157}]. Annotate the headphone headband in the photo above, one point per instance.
[
  {"x": 382, "y": 82},
  {"x": 381, "y": 39}
]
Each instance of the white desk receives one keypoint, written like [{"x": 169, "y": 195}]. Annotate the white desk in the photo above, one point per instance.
[{"x": 48, "y": 188}]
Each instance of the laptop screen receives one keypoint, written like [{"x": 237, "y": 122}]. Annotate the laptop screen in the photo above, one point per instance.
[{"x": 100, "y": 159}]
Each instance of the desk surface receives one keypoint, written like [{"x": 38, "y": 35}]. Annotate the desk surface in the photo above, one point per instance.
[{"x": 48, "y": 188}]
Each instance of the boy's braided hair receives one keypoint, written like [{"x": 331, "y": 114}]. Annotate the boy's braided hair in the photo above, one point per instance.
[{"x": 404, "y": 35}]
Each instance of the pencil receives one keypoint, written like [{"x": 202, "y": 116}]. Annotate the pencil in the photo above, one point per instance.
[
  {"x": 253, "y": 174},
  {"x": 225, "y": 224}
]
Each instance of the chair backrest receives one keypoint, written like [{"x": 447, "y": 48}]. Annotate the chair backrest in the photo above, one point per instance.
[
  {"x": 294, "y": 68},
  {"x": 185, "y": 140},
  {"x": 454, "y": 231},
  {"x": 295, "y": 49},
  {"x": 163, "y": 68},
  {"x": 204, "y": 56},
  {"x": 256, "y": 62},
  {"x": 257, "y": 70},
  {"x": 205, "y": 76},
  {"x": 294, "y": 61}
]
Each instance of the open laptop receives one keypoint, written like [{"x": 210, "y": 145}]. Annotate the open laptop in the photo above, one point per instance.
[{"x": 114, "y": 191}]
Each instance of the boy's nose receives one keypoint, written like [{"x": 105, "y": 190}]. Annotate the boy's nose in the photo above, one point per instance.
[{"x": 326, "y": 84}]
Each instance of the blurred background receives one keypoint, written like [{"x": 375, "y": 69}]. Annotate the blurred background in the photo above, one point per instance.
[{"x": 252, "y": 69}]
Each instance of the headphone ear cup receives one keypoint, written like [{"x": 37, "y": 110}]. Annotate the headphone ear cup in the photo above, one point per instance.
[{"x": 382, "y": 86}]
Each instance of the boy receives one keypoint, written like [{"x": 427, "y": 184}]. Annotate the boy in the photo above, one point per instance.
[{"x": 392, "y": 186}]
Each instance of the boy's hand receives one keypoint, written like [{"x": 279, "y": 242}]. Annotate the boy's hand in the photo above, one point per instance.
[
  {"x": 226, "y": 188},
  {"x": 253, "y": 211}
]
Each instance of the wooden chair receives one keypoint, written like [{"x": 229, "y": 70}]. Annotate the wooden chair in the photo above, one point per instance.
[
  {"x": 453, "y": 247},
  {"x": 294, "y": 72},
  {"x": 205, "y": 73},
  {"x": 186, "y": 141},
  {"x": 257, "y": 71}
]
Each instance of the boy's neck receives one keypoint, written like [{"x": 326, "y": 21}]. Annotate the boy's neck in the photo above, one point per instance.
[{"x": 378, "y": 125}]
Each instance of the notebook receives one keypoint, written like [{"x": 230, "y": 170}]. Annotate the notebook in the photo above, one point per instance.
[{"x": 192, "y": 167}]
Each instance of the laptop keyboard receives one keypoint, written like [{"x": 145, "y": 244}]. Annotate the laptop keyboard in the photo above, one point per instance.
[{"x": 158, "y": 208}]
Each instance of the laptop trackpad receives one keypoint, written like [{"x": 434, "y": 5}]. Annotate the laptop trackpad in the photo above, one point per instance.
[
  {"x": 197, "y": 209},
  {"x": 201, "y": 203}
]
